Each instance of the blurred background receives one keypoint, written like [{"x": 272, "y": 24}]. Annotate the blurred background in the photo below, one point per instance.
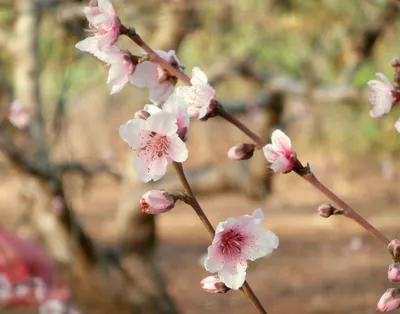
[{"x": 67, "y": 182}]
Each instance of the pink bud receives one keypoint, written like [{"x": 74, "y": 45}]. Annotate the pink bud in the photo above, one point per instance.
[
  {"x": 326, "y": 210},
  {"x": 213, "y": 284},
  {"x": 394, "y": 248},
  {"x": 394, "y": 272},
  {"x": 241, "y": 151},
  {"x": 141, "y": 114},
  {"x": 157, "y": 202},
  {"x": 389, "y": 301},
  {"x": 395, "y": 62}
]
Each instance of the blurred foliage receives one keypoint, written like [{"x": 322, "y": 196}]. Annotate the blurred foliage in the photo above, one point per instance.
[{"x": 304, "y": 39}]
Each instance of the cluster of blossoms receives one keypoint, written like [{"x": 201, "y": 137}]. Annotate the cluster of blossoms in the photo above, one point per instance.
[{"x": 158, "y": 134}]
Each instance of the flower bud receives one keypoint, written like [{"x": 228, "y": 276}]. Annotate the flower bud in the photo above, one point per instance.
[
  {"x": 141, "y": 114},
  {"x": 394, "y": 272},
  {"x": 213, "y": 284},
  {"x": 389, "y": 301},
  {"x": 326, "y": 210},
  {"x": 395, "y": 62},
  {"x": 241, "y": 151},
  {"x": 394, "y": 248},
  {"x": 157, "y": 202}
]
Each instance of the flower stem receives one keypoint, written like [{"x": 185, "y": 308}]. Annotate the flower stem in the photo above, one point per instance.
[
  {"x": 310, "y": 178},
  {"x": 231, "y": 119},
  {"x": 347, "y": 210},
  {"x": 192, "y": 201}
]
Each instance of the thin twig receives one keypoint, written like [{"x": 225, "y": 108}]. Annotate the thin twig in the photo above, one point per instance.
[{"x": 192, "y": 201}]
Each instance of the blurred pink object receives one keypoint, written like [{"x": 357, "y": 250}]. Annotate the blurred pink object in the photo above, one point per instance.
[
  {"x": 29, "y": 271},
  {"x": 389, "y": 301},
  {"x": 18, "y": 115}
]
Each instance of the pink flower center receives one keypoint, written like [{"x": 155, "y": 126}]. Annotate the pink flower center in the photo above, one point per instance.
[
  {"x": 231, "y": 243},
  {"x": 156, "y": 146}
]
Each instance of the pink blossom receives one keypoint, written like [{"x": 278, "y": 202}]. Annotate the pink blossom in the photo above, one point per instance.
[
  {"x": 105, "y": 25},
  {"x": 280, "y": 152},
  {"x": 150, "y": 75},
  {"x": 394, "y": 272},
  {"x": 197, "y": 97},
  {"x": 380, "y": 96},
  {"x": 389, "y": 301},
  {"x": 121, "y": 65},
  {"x": 157, "y": 202},
  {"x": 18, "y": 115},
  {"x": 213, "y": 284},
  {"x": 176, "y": 107},
  {"x": 157, "y": 144},
  {"x": 235, "y": 242}
]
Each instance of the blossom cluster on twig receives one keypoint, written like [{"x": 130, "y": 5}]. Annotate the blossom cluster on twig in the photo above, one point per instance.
[{"x": 158, "y": 134}]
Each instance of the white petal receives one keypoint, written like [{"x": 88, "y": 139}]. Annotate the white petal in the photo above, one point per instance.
[
  {"x": 163, "y": 123},
  {"x": 282, "y": 164},
  {"x": 281, "y": 141},
  {"x": 141, "y": 168},
  {"x": 177, "y": 149},
  {"x": 198, "y": 76},
  {"x": 258, "y": 215},
  {"x": 151, "y": 109},
  {"x": 157, "y": 168},
  {"x": 269, "y": 152},
  {"x": 215, "y": 260},
  {"x": 233, "y": 274},
  {"x": 384, "y": 78},
  {"x": 131, "y": 131},
  {"x": 160, "y": 93},
  {"x": 145, "y": 75}
]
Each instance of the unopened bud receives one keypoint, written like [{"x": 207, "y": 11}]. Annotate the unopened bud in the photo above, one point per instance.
[
  {"x": 141, "y": 114},
  {"x": 395, "y": 62},
  {"x": 157, "y": 202},
  {"x": 241, "y": 151},
  {"x": 394, "y": 248},
  {"x": 394, "y": 272},
  {"x": 327, "y": 210},
  {"x": 213, "y": 284},
  {"x": 389, "y": 301}
]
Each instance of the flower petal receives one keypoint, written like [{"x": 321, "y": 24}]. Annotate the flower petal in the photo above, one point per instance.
[
  {"x": 233, "y": 274},
  {"x": 177, "y": 149},
  {"x": 281, "y": 141},
  {"x": 282, "y": 164},
  {"x": 215, "y": 260},
  {"x": 270, "y": 154},
  {"x": 163, "y": 123},
  {"x": 131, "y": 132},
  {"x": 140, "y": 165}
]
